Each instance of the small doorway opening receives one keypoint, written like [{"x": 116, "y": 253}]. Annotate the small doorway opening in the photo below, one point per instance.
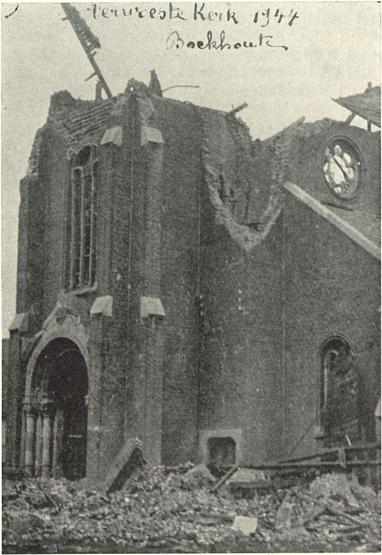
[{"x": 221, "y": 452}]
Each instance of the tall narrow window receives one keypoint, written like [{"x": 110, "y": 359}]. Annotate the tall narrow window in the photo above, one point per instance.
[
  {"x": 83, "y": 219},
  {"x": 335, "y": 362},
  {"x": 339, "y": 393}
]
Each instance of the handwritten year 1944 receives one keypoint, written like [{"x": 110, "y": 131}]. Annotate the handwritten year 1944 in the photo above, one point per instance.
[{"x": 197, "y": 11}]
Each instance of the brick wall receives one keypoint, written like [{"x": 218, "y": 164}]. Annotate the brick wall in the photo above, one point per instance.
[
  {"x": 180, "y": 229},
  {"x": 54, "y": 174},
  {"x": 240, "y": 351},
  {"x": 331, "y": 286},
  {"x": 240, "y": 354},
  {"x": 42, "y": 260},
  {"x": 30, "y": 255}
]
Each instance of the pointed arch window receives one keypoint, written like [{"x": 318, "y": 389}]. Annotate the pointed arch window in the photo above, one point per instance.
[
  {"x": 335, "y": 361},
  {"x": 81, "y": 269},
  {"x": 339, "y": 393}
]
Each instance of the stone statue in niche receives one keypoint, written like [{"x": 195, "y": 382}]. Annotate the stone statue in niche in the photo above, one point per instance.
[
  {"x": 227, "y": 194},
  {"x": 224, "y": 189},
  {"x": 237, "y": 201},
  {"x": 233, "y": 200}
]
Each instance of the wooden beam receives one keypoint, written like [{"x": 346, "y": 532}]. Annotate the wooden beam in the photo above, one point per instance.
[
  {"x": 350, "y": 118},
  {"x": 236, "y": 110},
  {"x": 355, "y": 235},
  {"x": 333, "y": 450},
  {"x": 87, "y": 49},
  {"x": 224, "y": 478}
]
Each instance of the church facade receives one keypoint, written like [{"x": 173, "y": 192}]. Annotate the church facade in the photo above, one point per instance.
[{"x": 213, "y": 296}]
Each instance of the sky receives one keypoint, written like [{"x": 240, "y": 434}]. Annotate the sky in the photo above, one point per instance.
[{"x": 333, "y": 49}]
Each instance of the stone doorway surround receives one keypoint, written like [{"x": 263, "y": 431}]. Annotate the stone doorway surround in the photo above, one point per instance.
[{"x": 54, "y": 419}]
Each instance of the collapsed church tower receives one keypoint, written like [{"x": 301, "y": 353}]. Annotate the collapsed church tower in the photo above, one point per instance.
[{"x": 213, "y": 296}]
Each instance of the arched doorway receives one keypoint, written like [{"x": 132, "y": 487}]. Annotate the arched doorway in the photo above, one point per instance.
[
  {"x": 339, "y": 393},
  {"x": 55, "y": 423}
]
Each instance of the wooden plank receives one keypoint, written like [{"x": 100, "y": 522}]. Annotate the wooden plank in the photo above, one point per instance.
[
  {"x": 350, "y": 118},
  {"x": 332, "y": 450},
  {"x": 314, "y": 464},
  {"x": 236, "y": 110},
  {"x": 224, "y": 478}
]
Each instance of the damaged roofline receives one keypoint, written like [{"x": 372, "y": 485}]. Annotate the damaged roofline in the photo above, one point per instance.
[
  {"x": 331, "y": 217},
  {"x": 367, "y": 114}
]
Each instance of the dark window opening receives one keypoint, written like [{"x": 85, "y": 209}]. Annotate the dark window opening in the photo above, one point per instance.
[
  {"x": 339, "y": 393},
  {"x": 222, "y": 188},
  {"x": 83, "y": 156},
  {"x": 335, "y": 361},
  {"x": 221, "y": 451},
  {"x": 83, "y": 219}
]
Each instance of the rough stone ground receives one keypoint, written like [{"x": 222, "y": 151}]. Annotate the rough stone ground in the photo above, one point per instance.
[{"x": 160, "y": 510}]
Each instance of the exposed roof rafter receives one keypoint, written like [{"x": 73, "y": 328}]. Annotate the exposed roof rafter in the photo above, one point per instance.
[{"x": 366, "y": 105}]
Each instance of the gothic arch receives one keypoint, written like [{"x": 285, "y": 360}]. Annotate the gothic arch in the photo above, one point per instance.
[
  {"x": 338, "y": 392},
  {"x": 58, "y": 376},
  {"x": 340, "y": 336},
  {"x": 46, "y": 339}
]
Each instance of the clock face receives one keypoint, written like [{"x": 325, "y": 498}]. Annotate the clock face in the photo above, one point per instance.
[{"x": 342, "y": 168}]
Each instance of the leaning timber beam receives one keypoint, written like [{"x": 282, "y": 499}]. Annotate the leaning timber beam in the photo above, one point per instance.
[
  {"x": 236, "y": 110},
  {"x": 333, "y": 450},
  {"x": 310, "y": 464}
]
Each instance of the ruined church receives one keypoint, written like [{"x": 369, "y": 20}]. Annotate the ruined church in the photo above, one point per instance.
[{"x": 212, "y": 296}]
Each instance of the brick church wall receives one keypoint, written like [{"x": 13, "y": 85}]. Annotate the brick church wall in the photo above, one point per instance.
[
  {"x": 247, "y": 308},
  {"x": 180, "y": 269},
  {"x": 134, "y": 282},
  {"x": 331, "y": 287},
  {"x": 42, "y": 260},
  {"x": 173, "y": 280},
  {"x": 112, "y": 266},
  {"x": 30, "y": 257},
  {"x": 240, "y": 374},
  {"x": 240, "y": 294},
  {"x": 54, "y": 174}
]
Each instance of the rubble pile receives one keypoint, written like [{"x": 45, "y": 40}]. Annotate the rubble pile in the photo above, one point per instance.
[{"x": 162, "y": 510}]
